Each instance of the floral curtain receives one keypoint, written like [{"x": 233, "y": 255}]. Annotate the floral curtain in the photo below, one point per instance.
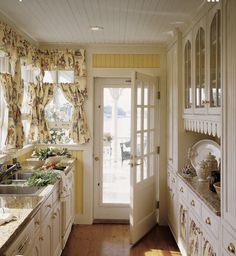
[
  {"x": 13, "y": 94},
  {"x": 40, "y": 95},
  {"x": 77, "y": 96}
]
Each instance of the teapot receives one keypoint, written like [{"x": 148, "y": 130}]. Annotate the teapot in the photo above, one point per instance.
[{"x": 211, "y": 162}]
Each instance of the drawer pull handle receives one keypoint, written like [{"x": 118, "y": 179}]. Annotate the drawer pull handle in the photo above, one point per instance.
[
  {"x": 54, "y": 215},
  {"x": 208, "y": 221},
  {"x": 181, "y": 190},
  {"x": 193, "y": 203},
  {"x": 41, "y": 238},
  {"x": 37, "y": 222},
  {"x": 231, "y": 248},
  {"x": 49, "y": 206}
]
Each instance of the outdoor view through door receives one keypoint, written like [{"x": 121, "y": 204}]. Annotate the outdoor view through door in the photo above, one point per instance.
[{"x": 116, "y": 145}]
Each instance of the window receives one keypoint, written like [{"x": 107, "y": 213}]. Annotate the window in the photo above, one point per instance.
[{"x": 59, "y": 111}]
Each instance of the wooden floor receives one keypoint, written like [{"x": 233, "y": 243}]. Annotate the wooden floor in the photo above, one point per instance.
[{"x": 113, "y": 240}]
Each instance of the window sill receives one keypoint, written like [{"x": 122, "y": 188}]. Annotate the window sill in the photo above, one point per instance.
[
  {"x": 69, "y": 146},
  {"x": 8, "y": 156}
]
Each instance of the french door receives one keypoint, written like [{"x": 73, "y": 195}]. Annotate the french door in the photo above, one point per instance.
[
  {"x": 135, "y": 154},
  {"x": 143, "y": 156}
]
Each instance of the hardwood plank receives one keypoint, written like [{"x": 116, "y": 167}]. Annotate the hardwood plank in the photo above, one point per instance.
[{"x": 113, "y": 240}]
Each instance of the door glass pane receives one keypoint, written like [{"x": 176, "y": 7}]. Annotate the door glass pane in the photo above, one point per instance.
[
  {"x": 116, "y": 145},
  {"x": 145, "y": 142},
  {"x": 151, "y": 96},
  {"x": 145, "y": 119},
  {"x": 146, "y": 95},
  {"x": 139, "y": 94},
  {"x": 145, "y": 168},
  {"x": 139, "y": 112},
  {"x": 151, "y": 142},
  {"x": 152, "y": 118},
  {"x": 138, "y": 145}
]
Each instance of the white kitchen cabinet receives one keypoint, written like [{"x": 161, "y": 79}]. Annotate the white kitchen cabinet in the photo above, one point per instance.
[
  {"x": 68, "y": 208},
  {"x": 194, "y": 238},
  {"x": 172, "y": 203},
  {"x": 36, "y": 251},
  {"x": 56, "y": 230},
  {"x": 23, "y": 243},
  {"x": 203, "y": 98},
  {"x": 172, "y": 108},
  {"x": 229, "y": 117},
  {"x": 183, "y": 227},
  {"x": 46, "y": 237}
]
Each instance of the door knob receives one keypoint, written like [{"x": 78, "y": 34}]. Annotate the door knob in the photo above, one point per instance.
[{"x": 96, "y": 158}]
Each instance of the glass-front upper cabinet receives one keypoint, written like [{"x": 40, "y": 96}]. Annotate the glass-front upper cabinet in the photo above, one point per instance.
[
  {"x": 215, "y": 61},
  {"x": 188, "y": 75},
  {"x": 200, "y": 80}
]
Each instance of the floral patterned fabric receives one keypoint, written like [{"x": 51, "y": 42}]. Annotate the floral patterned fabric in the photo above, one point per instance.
[
  {"x": 76, "y": 96},
  {"x": 40, "y": 95},
  {"x": 13, "y": 94},
  {"x": 18, "y": 49}
]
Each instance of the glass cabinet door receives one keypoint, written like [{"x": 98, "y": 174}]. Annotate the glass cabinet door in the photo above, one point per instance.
[
  {"x": 215, "y": 61},
  {"x": 187, "y": 76},
  {"x": 200, "y": 85}
]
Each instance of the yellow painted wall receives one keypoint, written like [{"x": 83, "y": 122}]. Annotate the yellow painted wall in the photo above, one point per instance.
[
  {"x": 126, "y": 61},
  {"x": 78, "y": 155}
]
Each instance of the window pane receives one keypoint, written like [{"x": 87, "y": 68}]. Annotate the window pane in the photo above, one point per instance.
[
  {"x": 59, "y": 109},
  {"x": 65, "y": 76},
  {"x": 59, "y": 136},
  {"x": 50, "y": 77}
]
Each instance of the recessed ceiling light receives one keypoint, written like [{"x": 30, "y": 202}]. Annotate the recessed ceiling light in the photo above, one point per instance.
[
  {"x": 20, "y": 0},
  {"x": 96, "y": 28},
  {"x": 178, "y": 22}
]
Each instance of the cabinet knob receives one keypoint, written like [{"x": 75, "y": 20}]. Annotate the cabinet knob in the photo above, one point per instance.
[
  {"x": 37, "y": 222},
  {"x": 181, "y": 190},
  {"x": 208, "y": 221},
  {"x": 49, "y": 206},
  {"x": 54, "y": 215},
  {"x": 41, "y": 238},
  {"x": 193, "y": 203},
  {"x": 231, "y": 248},
  {"x": 96, "y": 158}
]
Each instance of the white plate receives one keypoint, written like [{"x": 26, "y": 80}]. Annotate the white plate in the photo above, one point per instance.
[{"x": 201, "y": 149}]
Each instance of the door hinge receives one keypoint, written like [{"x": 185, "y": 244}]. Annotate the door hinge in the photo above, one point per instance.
[
  {"x": 157, "y": 204},
  {"x": 158, "y": 95},
  {"x": 158, "y": 150}
]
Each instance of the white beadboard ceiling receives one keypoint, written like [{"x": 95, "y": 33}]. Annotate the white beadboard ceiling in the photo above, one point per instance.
[{"x": 124, "y": 21}]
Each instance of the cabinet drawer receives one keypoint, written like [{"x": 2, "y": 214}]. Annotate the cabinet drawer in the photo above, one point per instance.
[
  {"x": 37, "y": 221},
  {"x": 210, "y": 221},
  {"x": 229, "y": 242},
  {"x": 46, "y": 207},
  {"x": 55, "y": 193},
  {"x": 182, "y": 190},
  {"x": 194, "y": 204}
]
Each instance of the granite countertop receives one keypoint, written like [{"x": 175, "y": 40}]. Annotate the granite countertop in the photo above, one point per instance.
[
  {"x": 23, "y": 207},
  {"x": 201, "y": 189}
]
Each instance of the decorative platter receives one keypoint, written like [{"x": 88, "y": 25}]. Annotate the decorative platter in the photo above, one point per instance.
[{"x": 200, "y": 151}]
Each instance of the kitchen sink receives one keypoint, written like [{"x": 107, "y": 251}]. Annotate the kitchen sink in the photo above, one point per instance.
[
  {"x": 18, "y": 189},
  {"x": 21, "y": 175},
  {"x": 13, "y": 182}
]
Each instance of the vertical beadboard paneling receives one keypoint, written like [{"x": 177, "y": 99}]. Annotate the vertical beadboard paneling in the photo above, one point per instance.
[
  {"x": 229, "y": 193},
  {"x": 126, "y": 60},
  {"x": 78, "y": 155}
]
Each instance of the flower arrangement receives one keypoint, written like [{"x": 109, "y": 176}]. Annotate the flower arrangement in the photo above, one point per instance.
[{"x": 107, "y": 137}]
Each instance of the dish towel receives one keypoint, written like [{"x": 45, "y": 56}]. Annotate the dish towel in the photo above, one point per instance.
[
  {"x": 6, "y": 216},
  {"x": 64, "y": 189}
]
